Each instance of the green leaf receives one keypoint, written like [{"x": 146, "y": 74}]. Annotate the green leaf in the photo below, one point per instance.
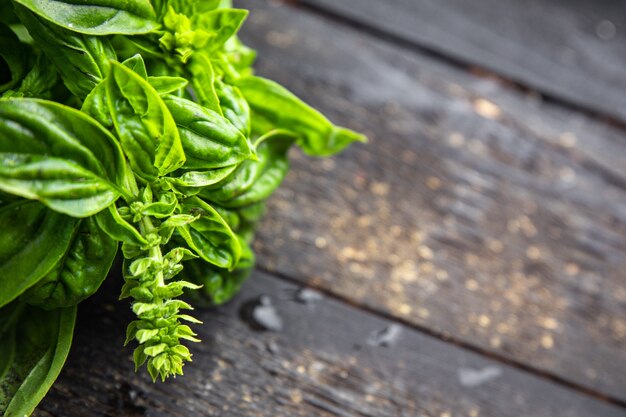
[
  {"x": 203, "y": 81},
  {"x": 239, "y": 56},
  {"x": 218, "y": 285},
  {"x": 40, "y": 79},
  {"x": 62, "y": 185},
  {"x": 166, "y": 85},
  {"x": 189, "y": 8},
  {"x": 97, "y": 17},
  {"x": 162, "y": 208},
  {"x": 254, "y": 181},
  {"x": 42, "y": 340},
  {"x": 222, "y": 23},
  {"x": 144, "y": 124},
  {"x": 119, "y": 229},
  {"x": 209, "y": 140},
  {"x": 12, "y": 55},
  {"x": 33, "y": 240},
  {"x": 191, "y": 182},
  {"x": 275, "y": 107},
  {"x": 82, "y": 60},
  {"x": 58, "y": 155},
  {"x": 209, "y": 236},
  {"x": 137, "y": 64},
  {"x": 96, "y": 105},
  {"x": 81, "y": 271},
  {"x": 234, "y": 107}
]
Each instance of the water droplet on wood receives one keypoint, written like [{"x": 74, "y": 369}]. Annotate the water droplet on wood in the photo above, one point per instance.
[{"x": 261, "y": 314}]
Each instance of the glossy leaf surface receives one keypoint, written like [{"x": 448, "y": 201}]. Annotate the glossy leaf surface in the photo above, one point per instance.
[
  {"x": 144, "y": 124},
  {"x": 254, "y": 181},
  {"x": 218, "y": 285},
  {"x": 82, "y": 60},
  {"x": 59, "y": 156},
  {"x": 275, "y": 107},
  {"x": 40, "y": 341},
  {"x": 33, "y": 240},
  {"x": 209, "y": 139},
  {"x": 79, "y": 273},
  {"x": 96, "y": 17},
  {"x": 210, "y": 236}
]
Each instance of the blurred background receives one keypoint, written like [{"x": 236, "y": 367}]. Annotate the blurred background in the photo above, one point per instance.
[{"x": 489, "y": 208}]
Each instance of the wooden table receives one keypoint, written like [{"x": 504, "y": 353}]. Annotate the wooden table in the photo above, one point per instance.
[{"x": 469, "y": 261}]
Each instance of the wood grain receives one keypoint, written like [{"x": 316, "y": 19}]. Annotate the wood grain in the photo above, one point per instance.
[
  {"x": 321, "y": 364},
  {"x": 476, "y": 212},
  {"x": 571, "y": 50}
]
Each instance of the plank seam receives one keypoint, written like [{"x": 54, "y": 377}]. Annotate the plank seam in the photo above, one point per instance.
[
  {"x": 454, "y": 62},
  {"x": 446, "y": 338}
]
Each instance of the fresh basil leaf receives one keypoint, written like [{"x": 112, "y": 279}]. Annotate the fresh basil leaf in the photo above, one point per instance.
[
  {"x": 42, "y": 340},
  {"x": 167, "y": 85},
  {"x": 209, "y": 140},
  {"x": 218, "y": 285},
  {"x": 193, "y": 181},
  {"x": 59, "y": 156},
  {"x": 79, "y": 274},
  {"x": 254, "y": 181},
  {"x": 119, "y": 229},
  {"x": 162, "y": 208},
  {"x": 239, "y": 56},
  {"x": 203, "y": 79},
  {"x": 145, "y": 45},
  {"x": 275, "y": 107},
  {"x": 96, "y": 105},
  {"x": 230, "y": 216},
  {"x": 12, "y": 53},
  {"x": 40, "y": 79},
  {"x": 97, "y": 17},
  {"x": 189, "y": 8},
  {"x": 221, "y": 23},
  {"x": 209, "y": 236},
  {"x": 32, "y": 242},
  {"x": 82, "y": 60},
  {"x": 59, "y": 183},
  {"x": 234, "y": 107},
  {"x": 243, "y": 220},
  {"x": 162, "y": 84},
  {"x": 144, "y": 124},
  {"x": 137, "y": 64}
]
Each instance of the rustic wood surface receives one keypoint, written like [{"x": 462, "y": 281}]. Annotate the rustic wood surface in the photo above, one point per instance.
[
  {"x": 468, "y": 260},
  {"x": 475, "y": 211},
  {"x": 571, "y": 50},
  {"x": 323, "y": 363}
]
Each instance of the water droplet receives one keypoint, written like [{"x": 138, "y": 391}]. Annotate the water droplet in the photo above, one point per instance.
[
  {"x": 606, "y": 30},
  {"x": 273, "y": 348},
  {"x": 474, "y": 377},
  {"x": 386, "y": 337},
  {"x": 261, "y": 314},
  {"x": 308, "y": 296}
]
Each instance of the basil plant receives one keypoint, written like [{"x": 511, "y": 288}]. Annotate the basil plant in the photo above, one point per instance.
[{"x": 135, "y": 125}]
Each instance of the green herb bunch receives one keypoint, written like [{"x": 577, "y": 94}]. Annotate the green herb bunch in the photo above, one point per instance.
[{"x": 138, "y": 125}]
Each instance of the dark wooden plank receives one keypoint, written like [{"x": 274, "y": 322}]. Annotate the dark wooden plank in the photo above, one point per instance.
[
  {"x": 572, "y": 50},
  {"x": 476, "y": 211},
  {"x": 321, "y": 364}
]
